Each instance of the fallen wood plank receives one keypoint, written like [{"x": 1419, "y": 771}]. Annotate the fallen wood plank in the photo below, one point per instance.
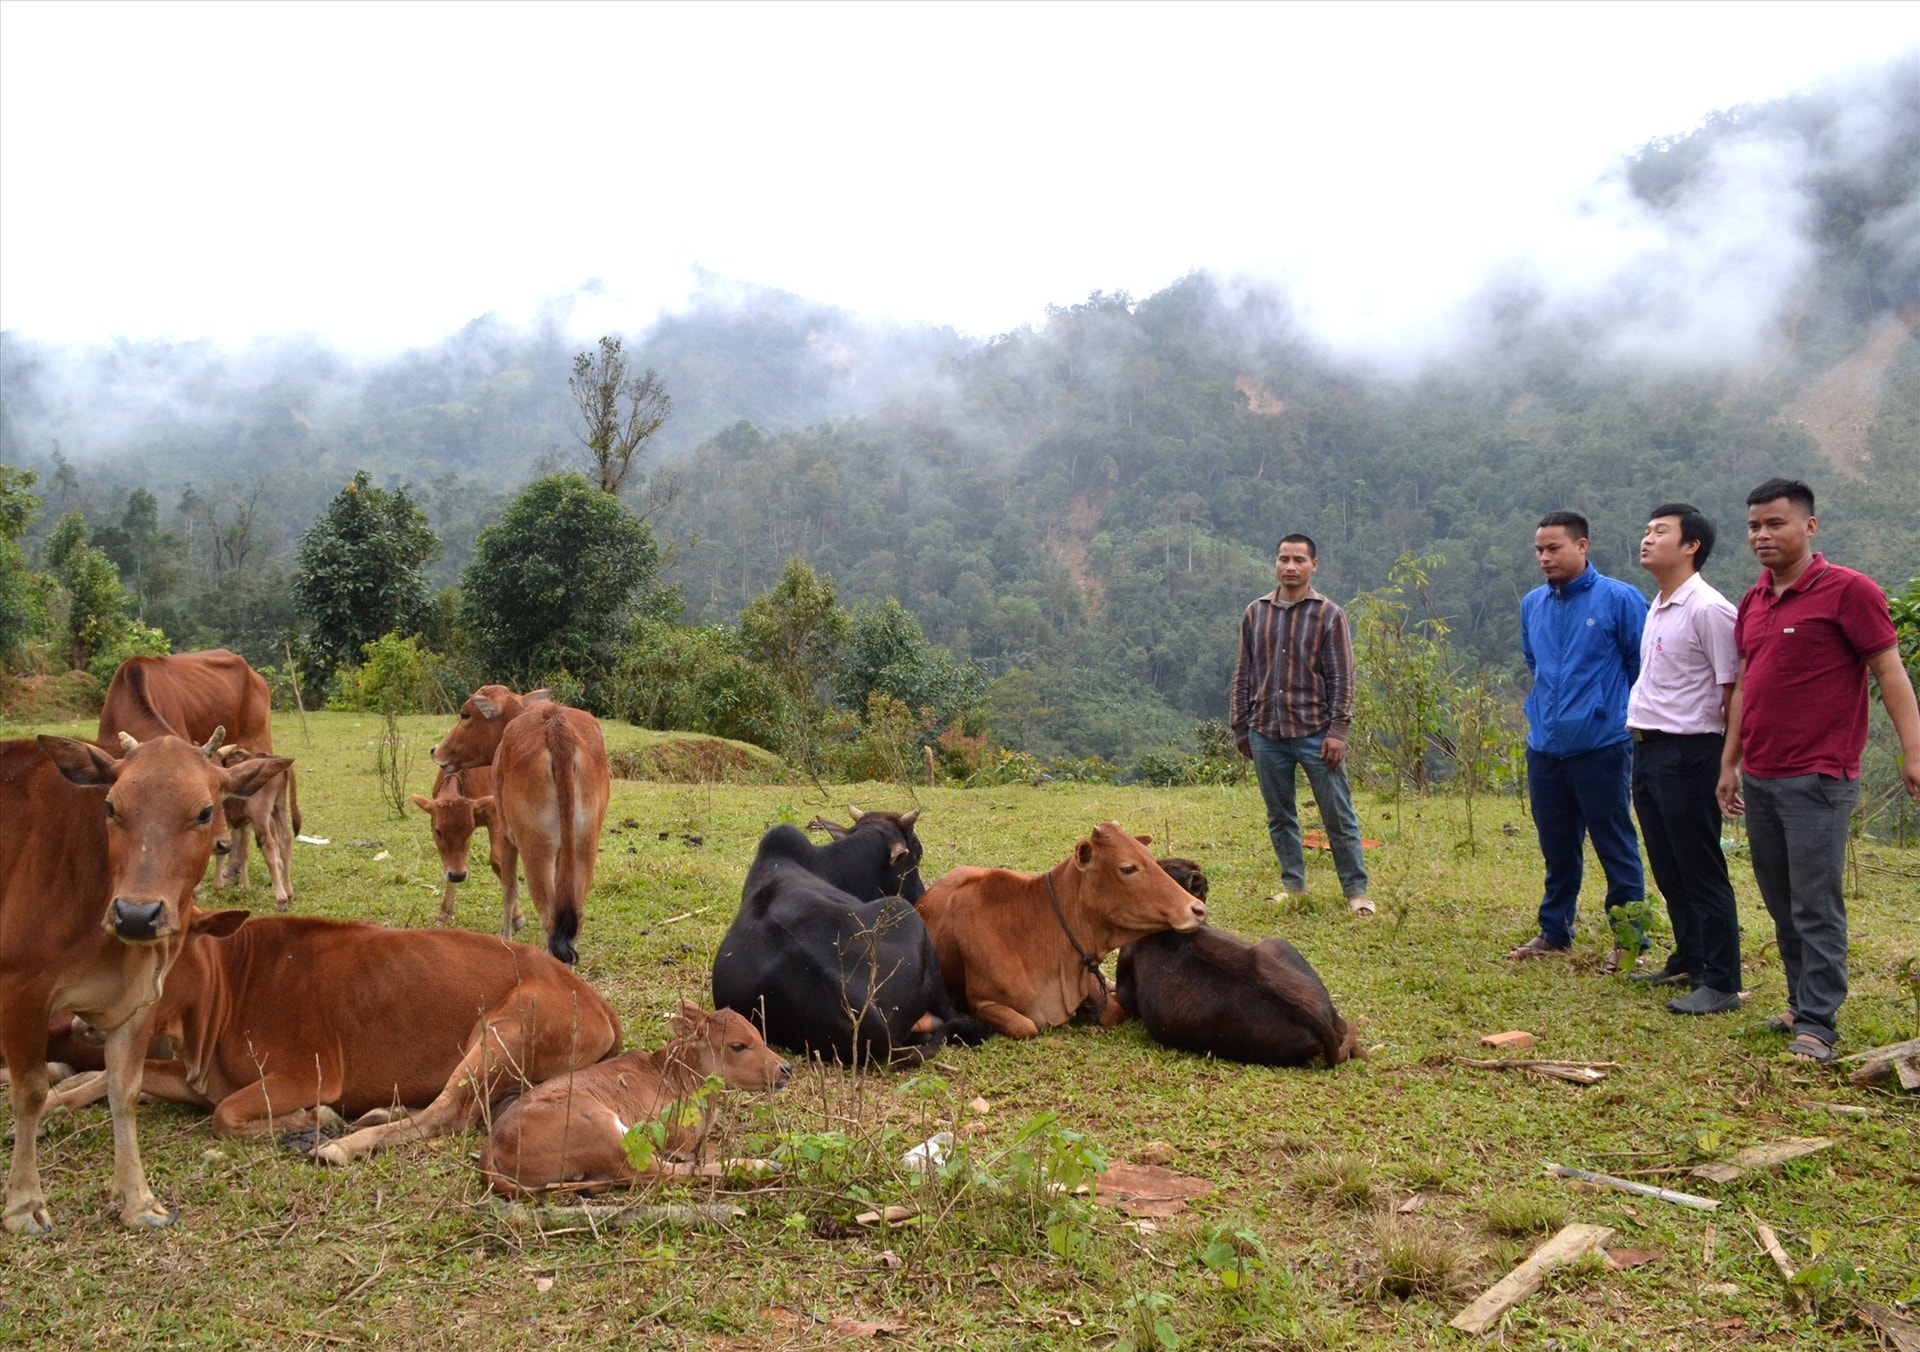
[
  {"x": 1571, "y": 1074},
  {"x": 1762, "y": 1157},
  {"x": 1896, "y": 1330},
  {"x": 1880, "y": 1062},
  {"x": 1893, "y": 1051},
  {"x": 1637, "y": 1189},
  {"x": 1571, "y": 1243},
  {"x": 1531, "y": 1064},
  {"x": 1908, "y": 1069}
]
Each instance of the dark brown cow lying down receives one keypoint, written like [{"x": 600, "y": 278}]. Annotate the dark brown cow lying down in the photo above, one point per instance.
[
  {"x": 280, "y": 1021},
  {"x": 569, "y": 1130},
  {"x": 1208, "y": 991}
]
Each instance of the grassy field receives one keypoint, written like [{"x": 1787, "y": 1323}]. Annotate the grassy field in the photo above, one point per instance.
[{"x": 1361, "y": 1207}]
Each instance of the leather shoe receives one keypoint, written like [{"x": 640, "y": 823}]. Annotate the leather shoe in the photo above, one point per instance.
[
  {"x": 1706, "y": 1000},
  {"x": 1613, "y": 961},
  {"x": 1536, "y": 947},
  {"x": 1660, "y": 976}
]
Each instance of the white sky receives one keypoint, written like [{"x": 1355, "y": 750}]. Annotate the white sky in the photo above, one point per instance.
[{"x": 381, "y": 173}]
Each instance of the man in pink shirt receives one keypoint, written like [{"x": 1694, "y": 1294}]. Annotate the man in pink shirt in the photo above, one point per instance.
[
  {"x": 1677, "y": 717},
  {"x": 1809, "y": 631}
]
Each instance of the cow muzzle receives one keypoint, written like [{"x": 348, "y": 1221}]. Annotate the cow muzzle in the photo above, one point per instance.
[
  {"x": 456, "y": 876},
  {"x": 138, "y": 921}
]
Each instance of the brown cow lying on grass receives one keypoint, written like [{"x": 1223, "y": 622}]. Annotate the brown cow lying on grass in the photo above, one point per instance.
[
  {"x": 460, "y": 802},
  {"x": 1213, "y": 993},
  {"x": 283, "y": 1023},
  {"x": 1022, "y": 951},
  {"x": 570, "y": 1130}
]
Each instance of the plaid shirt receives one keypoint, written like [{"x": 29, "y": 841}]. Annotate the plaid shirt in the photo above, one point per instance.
[{"x": 1294, "y": 675}]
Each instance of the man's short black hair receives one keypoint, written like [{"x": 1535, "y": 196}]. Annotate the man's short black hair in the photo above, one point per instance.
[
  {"x": 1575, "y": 524},
  {"x": 1791, "y": 489},
  {"x": 1313, "y": 550},
  {"x": 1693, "y": 526}
]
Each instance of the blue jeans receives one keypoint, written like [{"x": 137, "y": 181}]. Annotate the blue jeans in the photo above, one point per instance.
[
  {"x": 1797, "y": 835},
  {"x": 1576, "y": 798},
  {"x": 1273, "y": 766}
]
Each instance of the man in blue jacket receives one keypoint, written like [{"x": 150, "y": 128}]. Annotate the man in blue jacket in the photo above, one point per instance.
[{"x": 1580, "y": 633}]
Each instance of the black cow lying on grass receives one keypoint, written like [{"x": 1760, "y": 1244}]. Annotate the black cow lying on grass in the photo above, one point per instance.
[
  {"x": 1210, "y": 992},
  {"x": 828, "y": 956}
]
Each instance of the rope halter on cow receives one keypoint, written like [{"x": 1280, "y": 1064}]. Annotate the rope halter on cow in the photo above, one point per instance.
[{"x": 1087, "y": 960}]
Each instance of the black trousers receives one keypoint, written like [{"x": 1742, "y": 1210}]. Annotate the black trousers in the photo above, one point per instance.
[{"x": 1674, "y": 780}]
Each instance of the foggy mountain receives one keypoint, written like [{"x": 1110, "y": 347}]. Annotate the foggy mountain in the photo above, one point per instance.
[{"x": 1095, "y": 498}]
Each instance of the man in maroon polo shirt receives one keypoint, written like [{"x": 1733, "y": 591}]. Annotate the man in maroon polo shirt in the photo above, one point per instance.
[{"x": 1808, "y": 633}]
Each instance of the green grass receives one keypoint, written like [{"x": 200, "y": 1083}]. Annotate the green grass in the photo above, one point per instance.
[{"x": 405, "y": 1251}]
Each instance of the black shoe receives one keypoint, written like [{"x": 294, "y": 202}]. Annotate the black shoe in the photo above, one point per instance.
[
  {"x": 1661, "y": 976},
  {"x": 1706, "y": 1000}
]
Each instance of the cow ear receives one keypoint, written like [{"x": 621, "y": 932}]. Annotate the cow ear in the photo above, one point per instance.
[
  {"x": 897, "y": 853},
  {"x": 1083, "y": 853},
  {"x": 483, "y": 810},
  {"x": 82, "y": 762},
  {"x": 537, "y": 697},
  {"x": 907, "y": 821},
  {"x": 422, "y": 802},
  {"x": 254, "y": 775},
  {"x": 487, "y": 708},
  {"x": 218, "y": 924},
  {"x": 687, "y": 1022},
  {"x": 1144, "y": 840}
]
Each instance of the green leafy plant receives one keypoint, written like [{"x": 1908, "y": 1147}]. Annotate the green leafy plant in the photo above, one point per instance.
[{"x": 1149, "y": 1324}]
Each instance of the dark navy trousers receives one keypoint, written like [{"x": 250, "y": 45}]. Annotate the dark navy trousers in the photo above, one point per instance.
[{"x": 1575, "y": 799}]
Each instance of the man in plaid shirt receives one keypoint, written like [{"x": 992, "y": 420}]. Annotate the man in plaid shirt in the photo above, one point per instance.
[{"x": 1292, "y": 707}]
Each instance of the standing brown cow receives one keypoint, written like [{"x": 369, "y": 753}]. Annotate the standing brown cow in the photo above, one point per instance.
[
  {"x": 98, "y": 861},
  {"x": 460, "y": 802},
  {"x": 188, "y": 695},
  {"x": 550, "y": 788}
]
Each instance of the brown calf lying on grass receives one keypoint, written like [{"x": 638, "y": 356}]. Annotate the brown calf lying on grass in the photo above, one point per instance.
[
  {"x": 570, "y": 1130},
  {"x": 1208, "y": 991}
]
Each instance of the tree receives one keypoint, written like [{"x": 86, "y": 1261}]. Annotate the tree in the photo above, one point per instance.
[
  {"x": 22, "y": 611},
  {"x": 795, "y": 629},
  {"x": 554, "y": 581},
  {"x": 96, "y": 602},
  {"x": 619, "y": 412},
  {"x": 888, "y": 654},
  {"x": 359, "y": 571}
]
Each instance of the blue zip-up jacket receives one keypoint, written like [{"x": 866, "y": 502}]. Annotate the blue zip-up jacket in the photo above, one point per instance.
[{"x": 1582, "y": 644}]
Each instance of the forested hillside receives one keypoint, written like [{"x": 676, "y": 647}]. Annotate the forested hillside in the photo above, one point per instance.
[{"x": 1082, "y": 508}]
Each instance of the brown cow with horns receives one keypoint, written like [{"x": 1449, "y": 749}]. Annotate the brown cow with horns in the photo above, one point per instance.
[{"x": 98, "y": 861}]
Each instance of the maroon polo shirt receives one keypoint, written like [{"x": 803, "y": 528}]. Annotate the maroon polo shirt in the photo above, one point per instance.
[{"x": 1803, "y": 704}]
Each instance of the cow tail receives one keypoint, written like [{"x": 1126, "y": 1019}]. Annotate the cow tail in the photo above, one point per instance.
[
  {"x": 293, "y": 801},
  {"x": 566, "y": 905}
]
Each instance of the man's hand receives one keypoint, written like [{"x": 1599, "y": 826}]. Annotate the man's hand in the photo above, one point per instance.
[
  {"x": 1244, "y": 746},
  {"x": 1333, "y": 751},
  {"x": 1731, "y": 803},
  {"x": 1910, "y": 772}
]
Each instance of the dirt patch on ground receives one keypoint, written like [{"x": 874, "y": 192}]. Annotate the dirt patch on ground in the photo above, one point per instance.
[
  {"x": 48, "y": 699},
  {"x": 1259, "y": 398},
  {"x": 698, "y": 760},
  {"x": 1839, "y": 407},
  {"x": 1070, "y": 550}
]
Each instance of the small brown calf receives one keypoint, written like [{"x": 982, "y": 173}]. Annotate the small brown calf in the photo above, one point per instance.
[{"x": 570, "y": 1130}]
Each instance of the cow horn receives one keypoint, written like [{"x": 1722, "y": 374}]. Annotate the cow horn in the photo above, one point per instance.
[
  {"x": 127, "y": 743},
  {"x": 907, "y": 821},
  {"x": 229, "y": 749},
  {"x": 219, "y": 736},
  {"x": 855, "y": 812}
]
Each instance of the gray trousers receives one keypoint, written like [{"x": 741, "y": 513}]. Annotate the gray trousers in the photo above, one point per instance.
[{"x": 1797, "y": 835}]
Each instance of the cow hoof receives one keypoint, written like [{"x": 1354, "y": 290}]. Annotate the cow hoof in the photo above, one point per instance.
[
  {"x": 331, "y": 1153},
  {"x": 30, "y": 1220},
  {"x": 149, "y": 1217}
]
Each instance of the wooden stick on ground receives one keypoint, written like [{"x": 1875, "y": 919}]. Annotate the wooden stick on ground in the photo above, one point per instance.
[
  {"x": 1762, "y": 1157},
  {"x": 1523, "y": 1281},
  {"x": 1771, "y": 1243},
  {"x": 1638, "y": 1189}
]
